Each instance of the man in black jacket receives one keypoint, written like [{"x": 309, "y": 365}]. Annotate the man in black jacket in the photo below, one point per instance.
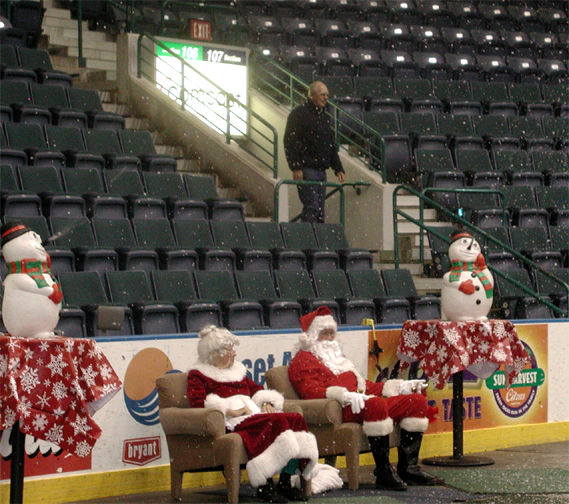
[{"x": 310, "y": 150}]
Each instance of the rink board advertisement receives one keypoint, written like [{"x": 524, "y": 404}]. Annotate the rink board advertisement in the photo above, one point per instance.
[
  {"x": 487, "y": 403},
  {"x": 132, "y": 436}
]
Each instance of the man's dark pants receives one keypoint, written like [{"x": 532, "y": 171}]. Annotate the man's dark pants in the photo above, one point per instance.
[{"x": 313, "y": 197}]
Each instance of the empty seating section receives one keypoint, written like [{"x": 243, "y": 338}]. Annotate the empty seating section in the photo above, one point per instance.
[{"x": 466, "y": 95}]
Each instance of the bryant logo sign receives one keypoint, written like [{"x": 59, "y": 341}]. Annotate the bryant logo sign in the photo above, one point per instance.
[{"x": 141, "y": 451}]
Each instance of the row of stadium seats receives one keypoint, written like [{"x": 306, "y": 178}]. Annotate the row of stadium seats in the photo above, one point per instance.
[
  {"x": 306, "y": 62},
  {"x": 176, "y": 301},
  {"x": 101, "y": 244},
  {"x": 30, "y": 144}
]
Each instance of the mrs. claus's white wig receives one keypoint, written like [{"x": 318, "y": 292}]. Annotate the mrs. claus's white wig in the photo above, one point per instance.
[{"x": 214, "y": 341}]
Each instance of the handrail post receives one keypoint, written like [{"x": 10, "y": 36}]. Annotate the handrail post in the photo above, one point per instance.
[{"x": 80, "y": 59}]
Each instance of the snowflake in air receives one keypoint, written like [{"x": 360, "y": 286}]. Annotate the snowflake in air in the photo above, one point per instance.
[{"x": 40, "y": 422}]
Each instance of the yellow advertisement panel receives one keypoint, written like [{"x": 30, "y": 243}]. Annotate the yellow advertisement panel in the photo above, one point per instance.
[{"x": 487, "y": 403}]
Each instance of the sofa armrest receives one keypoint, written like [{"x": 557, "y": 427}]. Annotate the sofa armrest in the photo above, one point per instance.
[
  {"x": 292, "y": 406},
  {"x": 192, "y": 421},
  {"x": 320, "y": 411}
]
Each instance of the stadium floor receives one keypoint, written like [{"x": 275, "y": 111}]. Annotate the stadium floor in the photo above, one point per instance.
[{"x": 534, "y": 474}]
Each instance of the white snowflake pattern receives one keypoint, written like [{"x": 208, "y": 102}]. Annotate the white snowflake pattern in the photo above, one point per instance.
[
  {"x": 40, "y": 422},
  {"x": 10, "y": 418},
  {"x": 69, "y": 344},
  {"x": 44, "y": 346},
  {"x": 43, "y": 400},
  {"x": 29, "y": 379},
  {"x": 57, "y": 364},
  {"x": 519, "y": 364},
  {"x": 55, "y": 434},
  {"x": 412, "y": 339},
  {"x": 59, "y": 390},
  {"x": 432, "y": 330},
  {"x": 454, "y": 369},
  {"x": 82, "y": 449},
  {"x": 80, "y": 426},
  {"x": 484, "y": 347},
  {"x": 28, "y": 354},
  {"x": 106, "y": 371},
  {"x": 442, "y": 354},
  {"x": 24, "y": 407},
  {"x": 500, "y": 330},
  {"x": 465, "y": 359},
  {"x": 451, "y": 336},
  {"x": 3, "y": 365},
  {"x": 444, "y": 370},
  {"x": 486, "y": 328},
  {"x": 13, "y": 344},
  {"x": 89, "y": 375},
  {"x": 499, "y": 353},
  {"x": 14, "y": 364}
]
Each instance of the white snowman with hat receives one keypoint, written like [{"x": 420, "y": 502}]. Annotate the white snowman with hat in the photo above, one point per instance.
[
  {"x": 32, "y": 297},
  {"x": 468, "y": 287}
]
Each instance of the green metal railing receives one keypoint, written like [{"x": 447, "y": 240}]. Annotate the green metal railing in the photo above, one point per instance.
[
  {"x": 267, "y": 134},
  {"x": 283, "y": 87},
  {"x": 453, "y": 217},
  {"x": 337, "y": 188}
]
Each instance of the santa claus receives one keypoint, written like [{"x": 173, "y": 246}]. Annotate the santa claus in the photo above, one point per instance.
[
  {"x": 274, "y": 441},
  {"x": 320, "y": 370}
]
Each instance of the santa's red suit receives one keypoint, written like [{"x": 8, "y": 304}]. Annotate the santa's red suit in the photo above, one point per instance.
[
  {"x": 312, "y": 379},
  {"x": 270, "y": 439}
]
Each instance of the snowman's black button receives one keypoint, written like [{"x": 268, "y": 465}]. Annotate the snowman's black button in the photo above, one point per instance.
[
  {"x": 478, "y": 287},
  {"x": 478, "y": 301},
  {"x": 473, "y": 275}
]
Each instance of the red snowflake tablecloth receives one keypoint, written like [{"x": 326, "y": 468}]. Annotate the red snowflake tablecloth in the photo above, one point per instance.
[
  {"x": 446, "y": 347},
  {"x": 52, "y": 386}
]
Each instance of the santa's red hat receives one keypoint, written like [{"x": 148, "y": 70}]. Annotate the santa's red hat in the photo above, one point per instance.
[{"x": 314, "y": 322}]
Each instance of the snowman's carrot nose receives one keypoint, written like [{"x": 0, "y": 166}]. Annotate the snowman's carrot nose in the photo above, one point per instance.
[{"x": 470, "y": 246}]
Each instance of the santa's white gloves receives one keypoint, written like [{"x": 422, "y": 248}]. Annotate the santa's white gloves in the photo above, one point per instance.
[
  {"x": 412, "y": 387},
  {"x": 355, "y": 400}
]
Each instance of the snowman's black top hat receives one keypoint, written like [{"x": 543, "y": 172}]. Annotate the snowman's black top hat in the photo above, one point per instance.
[
  {"x": 460, "y": 233},
  {"x": 12, "y": 230}
]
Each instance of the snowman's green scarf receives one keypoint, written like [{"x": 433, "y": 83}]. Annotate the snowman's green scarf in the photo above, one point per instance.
[
  {"x": 33, "y": 268},
  {"x": 457, "y": 267}
]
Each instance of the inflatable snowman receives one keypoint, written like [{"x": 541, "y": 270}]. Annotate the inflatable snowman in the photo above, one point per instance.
[
  {"x": 32, "y": 298},
  {"x": 468, "y": 287}
]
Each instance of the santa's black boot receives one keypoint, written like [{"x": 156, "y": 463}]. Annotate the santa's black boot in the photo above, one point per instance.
[
  {"x": 268, "y": 493},
  {"x": 386, "y": 477},
  {"x": 284, "y": 487},
  {"x": 407, "y": 466}
]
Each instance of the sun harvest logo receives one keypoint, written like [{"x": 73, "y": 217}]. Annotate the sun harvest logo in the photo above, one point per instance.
[{"x": 141, "y": 451}]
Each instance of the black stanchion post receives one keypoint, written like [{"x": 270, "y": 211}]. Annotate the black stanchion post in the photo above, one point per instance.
[
  {"x": 457, "y": 459},
  {"x": 17, "y": 467}
]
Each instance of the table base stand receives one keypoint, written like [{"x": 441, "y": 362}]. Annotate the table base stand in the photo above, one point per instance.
[
  {"x": 17, "y": 466},
  {"x": 457, "y": 459}
]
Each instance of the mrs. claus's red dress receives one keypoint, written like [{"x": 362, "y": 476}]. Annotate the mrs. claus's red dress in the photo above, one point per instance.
[{"x": 270, "y": 439}]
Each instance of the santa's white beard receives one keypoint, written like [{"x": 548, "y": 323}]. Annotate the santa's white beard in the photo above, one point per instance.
[{"x": 330, "y": 353}]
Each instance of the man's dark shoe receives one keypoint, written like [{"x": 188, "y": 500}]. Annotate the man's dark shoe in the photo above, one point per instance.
[
  {"x": 414, "y": 476},
  {"x": 387, "y": 479},
  {"x": 290, "y": 492}
]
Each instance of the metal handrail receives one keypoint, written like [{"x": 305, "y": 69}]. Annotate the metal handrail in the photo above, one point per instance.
[
  {"x": 269, "y": 134},
  {"x": 281, "y": 86},
  {"x": 480, "y": 231},
  {"x": 337, "y": 188}
]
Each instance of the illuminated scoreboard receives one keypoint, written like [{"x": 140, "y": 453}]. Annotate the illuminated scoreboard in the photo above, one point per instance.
[{"x": 223, "y": 66}]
